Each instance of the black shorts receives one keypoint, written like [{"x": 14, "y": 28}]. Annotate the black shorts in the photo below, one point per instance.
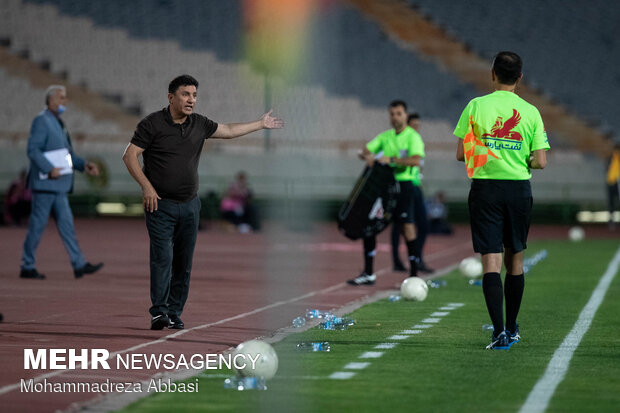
[
  {"x": 404, "y": 211},
  {"x": 499, "y": 214}
]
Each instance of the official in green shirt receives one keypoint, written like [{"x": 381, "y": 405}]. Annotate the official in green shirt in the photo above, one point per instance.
[
  {"x": 501, "y": 139},
  {"x": 420, "y": 213},
  {"x": 402, "y": 148}
]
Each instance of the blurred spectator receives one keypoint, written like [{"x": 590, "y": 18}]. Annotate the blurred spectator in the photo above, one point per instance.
[
  {"x": 613, "y": 183},
  {"x": 237, "y": 205},
  {"x": 17, "y": 201},
  {"x": 438, "y": 215},
  {"x": 414, "y": 121}
]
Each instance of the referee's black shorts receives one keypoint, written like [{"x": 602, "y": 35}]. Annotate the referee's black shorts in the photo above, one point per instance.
[
  {"x": 500, "y": 214},
  {"x": 405, "y": 212}
]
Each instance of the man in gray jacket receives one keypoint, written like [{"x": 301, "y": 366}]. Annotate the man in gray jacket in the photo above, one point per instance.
[{"x": 52, "y": 162}]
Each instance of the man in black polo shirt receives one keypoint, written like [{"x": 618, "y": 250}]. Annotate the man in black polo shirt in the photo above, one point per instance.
[{"x": 170, "y": 142}]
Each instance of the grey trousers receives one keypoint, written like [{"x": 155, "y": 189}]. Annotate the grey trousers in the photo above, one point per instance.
[
  {"x": 43, "y": 203},
  {"x": 172, "y": 231}
]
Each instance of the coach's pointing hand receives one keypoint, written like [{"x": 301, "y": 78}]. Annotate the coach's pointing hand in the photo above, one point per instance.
[
  {"x": 270, "y": 122},
  {"x": 149, "y": 198}
]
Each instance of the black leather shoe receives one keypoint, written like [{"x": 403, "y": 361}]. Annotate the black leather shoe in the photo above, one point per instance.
[
  {"x": 32, "y": 274},
  {"x": 88, "y": 268},
  {"x": 159, "y": 321},
  {"x": 175, "y": 322}
]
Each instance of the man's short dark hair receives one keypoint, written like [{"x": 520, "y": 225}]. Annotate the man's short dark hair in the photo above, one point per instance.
[
  {"x": 183, "y": 80},
  {"x": 396, "y": 103},
  {"x": 412, "y": 116},
  {"x": 507, "y": 67}
]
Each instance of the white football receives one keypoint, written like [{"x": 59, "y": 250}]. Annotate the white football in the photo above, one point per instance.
[
  {"x": 576, "y": 234},
  {"x": 266, "y": 365},
  {"x": 471, "y": 267},
  {"x": 414, "y": 288}
]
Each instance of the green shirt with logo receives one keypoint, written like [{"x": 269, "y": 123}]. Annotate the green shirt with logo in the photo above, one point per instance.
[
  {"x": 510, "y": 128},
  {"x": 403, "y": 145}
]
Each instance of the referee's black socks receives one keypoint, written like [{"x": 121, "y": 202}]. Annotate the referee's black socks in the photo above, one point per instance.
[
  {"x": 513, "y": 292},
  {"x": 370, "y": 250},
  {"x": 494, "y": 297},
  {"x": 414, "y": 258}
]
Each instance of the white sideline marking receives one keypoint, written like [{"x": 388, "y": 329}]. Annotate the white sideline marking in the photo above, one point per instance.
[
  {"x": 447, "y": 308},
  {"x": 440, "y": 314},
  {"x": 342, "y": 375},
  {"x": 411, "y": 332},
  {"x": 371, "y": 355},
  {"x": 357, "y": 366},
  {"x": 54, "y": 373},
  {"x": 403, "y": 335},
  {"x": 385, "y": 346},
  {"x": 541, "y": 394},
  {"x": 456, "y": 305}
]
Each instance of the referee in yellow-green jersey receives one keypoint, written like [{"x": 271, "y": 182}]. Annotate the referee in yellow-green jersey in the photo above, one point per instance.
[
  {"x": 402, "y": 148},
  {"x": 501, "y": 138}
]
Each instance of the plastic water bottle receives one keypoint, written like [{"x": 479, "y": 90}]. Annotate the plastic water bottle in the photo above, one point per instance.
[
  {"x": 310, "y": 314},
  {"x": 436, "y": 283},
  {"x": 340, "y": 320},
  {"x": 395, "y": 298},
  {"x": 309, "y": 346},
  {"x": 299, "y": 322},
  {"x": 245, "y": 383},
  {"x": 331, "y": 325},
  {"x": 475, "y": 282}
]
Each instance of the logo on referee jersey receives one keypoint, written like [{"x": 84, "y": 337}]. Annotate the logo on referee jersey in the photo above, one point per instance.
[{"x": 504, "y": 130}]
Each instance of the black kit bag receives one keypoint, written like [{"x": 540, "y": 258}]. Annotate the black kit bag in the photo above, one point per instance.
[{"x": 368, "y": 209}]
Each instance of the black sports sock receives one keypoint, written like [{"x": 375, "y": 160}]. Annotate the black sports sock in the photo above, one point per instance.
[
  {"x": 413, "y": 259},
  {"x": 370, "y": 244},
  {"x": 417, "y": 248},
  {"x": 514, "y": 293},
  {"x": 396, "y": 232},
  {"x": 494, "y": 297}
]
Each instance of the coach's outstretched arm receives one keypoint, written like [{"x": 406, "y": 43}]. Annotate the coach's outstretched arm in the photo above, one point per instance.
[
  {"x": 149, "y": 195},
  {"x": 234, "y": 130}
]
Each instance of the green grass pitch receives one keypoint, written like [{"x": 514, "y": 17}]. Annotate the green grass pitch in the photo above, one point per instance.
[{"x": 445, "y": 368}]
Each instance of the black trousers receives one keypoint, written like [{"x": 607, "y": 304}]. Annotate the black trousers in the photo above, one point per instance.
[
  {"x": 172, "y": 231},
  {"x": 420, "y": 219}
]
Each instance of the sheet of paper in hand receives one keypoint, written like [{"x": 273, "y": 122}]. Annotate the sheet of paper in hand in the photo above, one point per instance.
[{"x": 60, "y": 158}]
